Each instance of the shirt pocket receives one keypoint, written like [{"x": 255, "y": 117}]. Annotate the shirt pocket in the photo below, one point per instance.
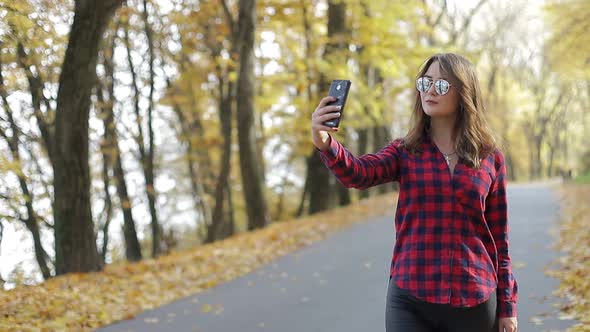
[{"x": 472, "y": 190}]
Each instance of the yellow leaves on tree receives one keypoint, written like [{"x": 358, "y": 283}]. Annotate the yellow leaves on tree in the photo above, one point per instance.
[{"x": 569, "y": 44}]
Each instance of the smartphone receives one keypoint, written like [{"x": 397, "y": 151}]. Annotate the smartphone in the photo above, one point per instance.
[{"x": 338, "y": 89}]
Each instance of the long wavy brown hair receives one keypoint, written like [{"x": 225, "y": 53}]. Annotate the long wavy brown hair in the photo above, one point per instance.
[{"x": 474, "y": 140}]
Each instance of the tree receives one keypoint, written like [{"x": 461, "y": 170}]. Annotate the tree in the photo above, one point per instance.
[
  {"x": 31, "y": 221},
  {"x": 144, "y": 141},
  {"x": 33, "y": 49},
  {"x": 569, "y": 42},
  {"x": 252, "y": 178},
  {"x": 318, "y": 181},
  {"x": 548, "y": 97},
  {"x": 75, "y": 248},
  {"x": 112, "y": 154}
]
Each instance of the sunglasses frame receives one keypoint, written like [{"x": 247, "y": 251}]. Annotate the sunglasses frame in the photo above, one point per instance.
[{"x": 431, "y": 82}]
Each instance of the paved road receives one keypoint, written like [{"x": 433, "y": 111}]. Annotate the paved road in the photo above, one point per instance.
[{"x": 339, "y": 284}]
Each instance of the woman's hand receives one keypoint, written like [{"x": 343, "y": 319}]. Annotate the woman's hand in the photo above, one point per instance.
[
  {"x": 508, "y": 324},
  {"x": 319, "y": 131}
]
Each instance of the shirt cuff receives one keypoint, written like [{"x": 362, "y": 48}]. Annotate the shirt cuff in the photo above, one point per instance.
[
  {"x": 332, "y": 151},
  {"x": 506, "y": 309}
]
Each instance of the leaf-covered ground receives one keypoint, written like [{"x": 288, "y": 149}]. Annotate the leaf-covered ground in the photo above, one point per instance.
[
  {"x": 82, "y": 302},
  {"x": 574, "y": 242}
]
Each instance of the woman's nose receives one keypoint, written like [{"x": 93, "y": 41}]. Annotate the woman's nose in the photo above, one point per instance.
[{"x": 431, "y": 90}]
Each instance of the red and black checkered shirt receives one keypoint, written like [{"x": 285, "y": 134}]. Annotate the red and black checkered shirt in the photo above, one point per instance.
[{"x": 451, "y": 232}]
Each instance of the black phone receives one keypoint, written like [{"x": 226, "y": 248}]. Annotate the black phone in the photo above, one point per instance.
[{"x": 338, "y": 89}]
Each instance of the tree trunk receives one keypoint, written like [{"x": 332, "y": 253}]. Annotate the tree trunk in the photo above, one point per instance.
[
  {"x": 144, "y": 155},
  {"x": 363, "y": 144},
  {"x": 280, "y": 204},
  {"x": 381, "y": 138},
  {"x": 227, "y": 228},
  {"x": 225, "y": 116},
  {"x": 46, "y": 126},
  {"x": 132, "y": 246},
  {"x": 31, "y": 222},
  {"x": 309, "y": 96},
  {"x": 319, "y": 177},
  {"x": 512, "y": 174},
  {"x": 250, "y": 165},
  {"x": 531, "y": 160},
  {"x": 537, "y": 141},
  {"x": 320, "y": 193},
  {"x": 304, "y": 193},
  {"x": 198, "y": 161},
  {"x": 550, "y": 171},
  {"x": 33, "y": 225},
  {"x": 75, "y": 248},
  {"x": 108, "y": 202},
  {"x": 149, "y": 157},
  {"x": 370, "y": 75},
  {"x": 343, "y": 195},
  {"x": 197, "y": 188}
]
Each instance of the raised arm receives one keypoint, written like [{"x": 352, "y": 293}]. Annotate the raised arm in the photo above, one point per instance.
[{"x": 363, "y": 172}]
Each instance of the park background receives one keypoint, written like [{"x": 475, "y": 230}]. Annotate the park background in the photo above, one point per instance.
[{"x": 134, "y": 130}]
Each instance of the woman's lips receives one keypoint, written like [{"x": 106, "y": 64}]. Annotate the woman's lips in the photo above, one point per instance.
[{"x": 431, "y": 102}]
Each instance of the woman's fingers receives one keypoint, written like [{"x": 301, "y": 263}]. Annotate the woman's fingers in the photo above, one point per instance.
[
  {"x": 323, "y": 113},
  {"x": 325, "y": 100},
  {"x": 325, "y": 128},
  {"x": 326, "y": 110},
  {"x": 321, "y": 127},
  {"x": 326, "y": 117},
  {"x": 323, "y": 108},
  {"x": 318, "y": 122}
]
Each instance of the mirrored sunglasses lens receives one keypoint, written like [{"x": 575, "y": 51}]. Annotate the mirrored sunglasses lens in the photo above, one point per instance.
[
  {"x": 442, "y": 87},
  {"x": 422, "y": 84}
]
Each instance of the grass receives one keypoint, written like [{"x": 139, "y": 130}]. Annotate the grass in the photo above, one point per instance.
[{"x": 583, "y": 179}]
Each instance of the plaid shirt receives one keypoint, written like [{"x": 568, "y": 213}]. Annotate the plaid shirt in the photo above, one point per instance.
[{"x": 451, "y": 233}]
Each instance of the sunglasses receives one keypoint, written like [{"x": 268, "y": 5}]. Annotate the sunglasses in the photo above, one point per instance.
[{"x": 441, "y": 86}]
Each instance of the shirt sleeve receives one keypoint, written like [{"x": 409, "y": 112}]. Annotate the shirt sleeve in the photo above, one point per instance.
[
  {"x": 363, "y": 172},
  {"x": 496, "y": 214}
]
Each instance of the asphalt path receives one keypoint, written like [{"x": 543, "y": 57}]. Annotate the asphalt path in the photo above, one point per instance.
[{"x": 340, "y": 283}]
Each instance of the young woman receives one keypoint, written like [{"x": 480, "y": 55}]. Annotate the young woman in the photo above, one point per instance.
[{"x": 450, "y": 269}]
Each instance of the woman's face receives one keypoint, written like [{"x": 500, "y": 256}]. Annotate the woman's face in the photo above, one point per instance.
[{"x": 436, "y": 105}]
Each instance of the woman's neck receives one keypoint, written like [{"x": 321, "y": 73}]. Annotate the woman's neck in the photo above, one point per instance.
[{"x": 441, "y": 132}]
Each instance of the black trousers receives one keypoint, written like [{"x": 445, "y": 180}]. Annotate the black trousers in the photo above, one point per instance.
[{"x": 406, "y": 313}]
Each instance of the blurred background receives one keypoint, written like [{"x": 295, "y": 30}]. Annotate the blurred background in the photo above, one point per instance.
[{"x": 191, "y": 123}]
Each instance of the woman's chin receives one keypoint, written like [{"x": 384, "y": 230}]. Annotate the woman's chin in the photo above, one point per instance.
[
  {"x": 436, "y": 112},
  {"x": 430, "y": 111}
]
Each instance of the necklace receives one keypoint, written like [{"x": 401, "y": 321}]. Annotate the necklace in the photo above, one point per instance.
[{"x": 448, "y": 157}]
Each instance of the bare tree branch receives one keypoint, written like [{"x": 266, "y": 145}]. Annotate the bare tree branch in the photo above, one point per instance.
[
  {"x": 3, "y": 134},
  {"x": 440, "y": 15},
  {"x": 1, "y": 236},
  {"x": 39, "y": 170},
  {"x": 230, "y": 19},
  {"x": 36, "y": 91},
  {"x": 468, "y": 18}
]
